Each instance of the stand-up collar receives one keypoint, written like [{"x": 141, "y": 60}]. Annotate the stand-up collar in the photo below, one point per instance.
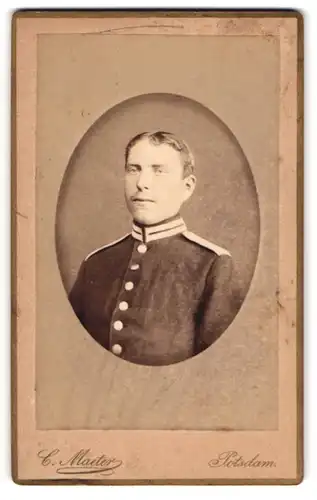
[{"x": 158, "y": 231}]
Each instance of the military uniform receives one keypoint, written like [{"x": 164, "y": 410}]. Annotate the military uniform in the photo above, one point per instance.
[{"x": 157, "y": 296}]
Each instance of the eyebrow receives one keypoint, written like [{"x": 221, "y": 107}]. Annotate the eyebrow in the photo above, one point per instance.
[{"x": 154, "y": 165}]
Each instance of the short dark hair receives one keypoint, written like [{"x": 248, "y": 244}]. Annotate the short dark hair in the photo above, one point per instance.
[{"x": 161, "y": 137}]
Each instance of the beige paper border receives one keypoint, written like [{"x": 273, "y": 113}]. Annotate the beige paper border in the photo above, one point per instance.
[{"x": 283, "y": 446}]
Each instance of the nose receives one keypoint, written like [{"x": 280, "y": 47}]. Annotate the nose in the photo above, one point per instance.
[{"x": 144, "y": 180}]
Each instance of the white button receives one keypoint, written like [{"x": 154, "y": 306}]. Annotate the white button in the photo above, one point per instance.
[
  {"x": 134, "y": 267},
  {"x": 116, "y": 349},
  {"x": 123, "y": 306},
  {"x": 118, "y": 325},
  {"x": 129, "y": 285},
  {"x": 142, "y": 248}
]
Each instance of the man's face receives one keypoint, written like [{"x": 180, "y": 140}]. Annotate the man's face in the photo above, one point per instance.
[{"x": 154, "y": 185}]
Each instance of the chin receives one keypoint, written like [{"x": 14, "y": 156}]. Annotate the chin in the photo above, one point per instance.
[{"x": 144, "y": 219}]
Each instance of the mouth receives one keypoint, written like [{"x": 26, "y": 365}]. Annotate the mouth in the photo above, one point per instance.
[{"x": 142, "y": 200}]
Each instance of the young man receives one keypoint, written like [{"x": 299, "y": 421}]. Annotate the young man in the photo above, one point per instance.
[{"x": 160, "y": 294}]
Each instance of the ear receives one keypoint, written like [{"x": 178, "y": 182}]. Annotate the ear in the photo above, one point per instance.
[{"x": 190, "y": 183}]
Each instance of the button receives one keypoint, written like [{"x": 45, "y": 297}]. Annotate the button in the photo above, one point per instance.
[
  {"x": 134, "y": 267},
  {"x": 116, "y": 349},
  {"x": 142, "y": 248},
  {"x": 129, "y": 285},
  {"x": 123, "y": 306},
  {"x": 118, "y": 325}
]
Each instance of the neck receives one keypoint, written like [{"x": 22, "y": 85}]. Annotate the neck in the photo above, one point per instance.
[
  {"x": 155, "y": 224},
  {"x": 164, "y": 229}
]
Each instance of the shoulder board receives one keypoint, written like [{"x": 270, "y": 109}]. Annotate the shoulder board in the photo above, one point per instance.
[
  {"x": 107, "y": 246},
  {"x": 205, "y": 243}
]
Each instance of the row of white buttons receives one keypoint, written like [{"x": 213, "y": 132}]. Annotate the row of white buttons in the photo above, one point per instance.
[
  {"x": 123, "y": 306},
  {"x": 118, "y": 325},
  {"x": 129, "y": 285}
]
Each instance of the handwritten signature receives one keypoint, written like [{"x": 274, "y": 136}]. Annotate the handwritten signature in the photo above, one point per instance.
[
  {"x": 234, "y": 459},
  {"x": 81, "y": 462}
]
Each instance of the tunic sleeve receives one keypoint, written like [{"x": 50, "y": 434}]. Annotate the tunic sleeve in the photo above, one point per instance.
[
  {"x": 217, "y": 309},
  {"x": 76, "y": 295}
]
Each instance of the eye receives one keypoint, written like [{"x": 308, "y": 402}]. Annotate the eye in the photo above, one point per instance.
[
  {"x": 159, "y": 169},
  {"x": 131, "y": 169}
]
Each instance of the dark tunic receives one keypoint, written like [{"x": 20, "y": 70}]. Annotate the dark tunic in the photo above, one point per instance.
[{"x": 155, "y": 298}]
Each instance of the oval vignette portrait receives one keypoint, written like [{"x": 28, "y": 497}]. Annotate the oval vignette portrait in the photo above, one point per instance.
[{"x": 157, "y": 229}]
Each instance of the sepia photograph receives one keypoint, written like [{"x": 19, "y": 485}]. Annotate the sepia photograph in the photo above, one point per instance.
[
  {"x": 160, "y": 293},
  {"x": 157, "y": 301}
]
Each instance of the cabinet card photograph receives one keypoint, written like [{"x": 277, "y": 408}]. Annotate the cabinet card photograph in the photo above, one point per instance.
[{"x": 157, "y": 238}]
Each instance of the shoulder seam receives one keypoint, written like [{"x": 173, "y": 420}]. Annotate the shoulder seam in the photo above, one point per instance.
[
  {"x": 205, "y": 243},
  {"x": 106, "y": 246}
]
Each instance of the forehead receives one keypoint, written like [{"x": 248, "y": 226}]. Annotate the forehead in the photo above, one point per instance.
[{"x": 144, "y": 150}]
